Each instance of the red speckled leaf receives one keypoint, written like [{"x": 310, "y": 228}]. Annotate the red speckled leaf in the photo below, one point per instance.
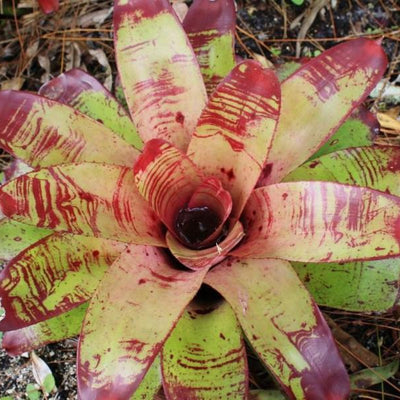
[
  {"x": 86, "y": 94},
  {"x": 317, "y": 99},
  {"x": 235, "y": 130},
  {"x": 49, "y": 6},
  {"x": 170, "y": 181},
  {"x": 210, "y": 26},
  {"x": 284, "y": 326},
  {"x": 88, "y": 198},
  {"x": 321, "y": 221},
  {"x": 53, "y": 276},
  {"x": 58, "y": 328},
  {"x": 205, "y": 355},
  {"x": 206, "y": 258},
  {"x": 158, "y": 69},
  {"x": 43, "y": 132},
  {"x": 114, "y": 352}
]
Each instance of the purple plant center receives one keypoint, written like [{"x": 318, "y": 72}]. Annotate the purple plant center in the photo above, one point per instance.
[{"x": 194, "y": 225}]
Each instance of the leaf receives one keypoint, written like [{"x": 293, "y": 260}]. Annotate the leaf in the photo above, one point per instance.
[
  {"x": 358, "y": 130},
  {"x": 204, "y": 355},
  {"x": 171, "y": 182},
  {"x": 210, "y": 27},
  {"x": 362, "y": 286},
  {"x": 72, "y": 198},
  {"x": 53, "y": 276},
  {"x": 42, "y": 374},
  {"x": 266, "y": 395},
  {"x": 366, "y": 286},
  {"x": 376, "y": 167},
  {"x": 114, "y": 353},
  {"x": 320, "y": 222},
  {"x": 283, "y": 325},
  {"x": 235, "y": 130},
  {"x": 84, "y": 93},
  {"x": 43, "y": 132},
  {"x": 32, "y": 392},
  {"x": 15, "y": 237},
  {"x": 205, "y": 258},
  {"x": 151, "y": 383},
  {"x": 373, "y": 376},
  {"x": 318, "y": 98},
  {"x": 55, "y": 329},
  {"x": 158, "y": 69}
]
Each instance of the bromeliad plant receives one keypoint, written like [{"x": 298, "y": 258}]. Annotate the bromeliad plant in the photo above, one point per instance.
[{"x": 129, "y": 242}]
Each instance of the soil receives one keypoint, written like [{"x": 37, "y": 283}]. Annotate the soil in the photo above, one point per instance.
[{"x": 35, "y": 47}]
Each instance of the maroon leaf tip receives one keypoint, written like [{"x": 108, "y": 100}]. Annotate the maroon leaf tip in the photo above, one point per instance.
[{"x": 206, "y": 15}]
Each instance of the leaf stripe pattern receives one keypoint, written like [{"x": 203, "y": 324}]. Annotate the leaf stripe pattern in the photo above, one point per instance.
[
  {"x": 159, "y": 73},
  {"x": 43, "y": 132},
  {"x": 298, "y": 347},
  {"x": 235, "y": 130},
  {"x": 339, "y": 79},
  {"x": 71, "y": 198},
  {"x": 210, "y": 27},
  {"x": 52, "y": 276},
  {"x": 205, "y": 354},
  {"x": 84, "y": 93},
  {"x": 114, "y": 352},
  {"x": 339, "y": 222}
]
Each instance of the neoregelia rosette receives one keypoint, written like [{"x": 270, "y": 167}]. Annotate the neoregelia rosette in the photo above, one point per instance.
[{"x": 127, "y": 241}]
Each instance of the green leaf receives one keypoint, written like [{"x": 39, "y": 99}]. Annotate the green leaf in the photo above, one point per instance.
[
  {"x": 205, "y": 354},
  {"x": 366, "y": 286},
  {"x": 52, "y": 276},
  {"x": 32, "y": 392},
  {"x": 72, "y": 198},
  {"x": 114, "y": 352},
  {"x": 158, "y": 69},
  {"x": 283, "y": 325},
  {"x": 373, "y": 376},
  {"x": 43, "y": 132},
  {"x": 320, "y": 222},
  {"x": 151, "y": 382},
  {"x": 15, "y": 237},
  {"x": 55, "y": 329},
  {"x": 49, "y": 383},
  {"x": 210, "y": 27},
  {"x": 84, "y": 93},
  {"x": 318, "y": 98},
  {"x": 376, "y": 167},
  {"x": 358, "y": 130}
]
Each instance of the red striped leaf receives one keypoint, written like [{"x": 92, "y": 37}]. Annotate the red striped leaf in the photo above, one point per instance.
[
  {"x": 84, "y": 93},
  {"x": 58, "y": 328},
  {"x": 158, "y": 69},
  {"x": 72, "y": 198},
  {"x": 205, "y": 355},
  {"x": 43, "y": 132},
  {"x": 284, "y": 326},
  {"x": 53, "y": 276},
  {"x": 321, "y": 221},
  {"x": 235, "y": 130},
  {"x": 171, "y": 182},
  {"x": 210, "y": 27},
  {"x": 317, "y": 99},
  {"x": 115, "y": 353}
]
